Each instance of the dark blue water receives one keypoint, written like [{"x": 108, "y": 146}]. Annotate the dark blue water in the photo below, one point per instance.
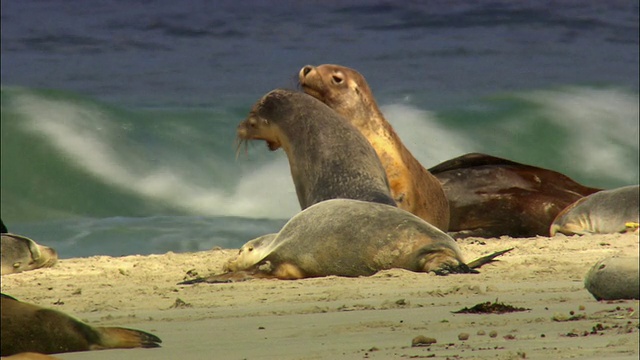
[{"x": 118, "y": 117}]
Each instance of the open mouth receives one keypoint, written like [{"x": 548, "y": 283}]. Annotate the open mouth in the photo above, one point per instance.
[
  {"x": 310, "y": 90},
  {"x": 244, "y": 142},
  {"x": 273, "y": 145}
]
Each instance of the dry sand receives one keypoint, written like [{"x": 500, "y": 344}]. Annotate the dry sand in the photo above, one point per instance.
[{"x": 351, "y": 318}]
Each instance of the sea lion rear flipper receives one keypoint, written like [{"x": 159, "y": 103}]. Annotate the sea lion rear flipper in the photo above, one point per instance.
[
  {"x": 123, "y": 338},
  {"x": 477, "y": 263},
  {"x": 235, "y": 276}
]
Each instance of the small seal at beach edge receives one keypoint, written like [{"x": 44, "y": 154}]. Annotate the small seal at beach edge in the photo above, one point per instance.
[
  {"x": 19, "y": 253},
  {"x": 614, "y": 278},
  {"x": 31, "y": 328},
  {"x": 346, "y": 91},
  {"x": 605, "y": 212},
  {"x": 328, "y": 157},
  {"x": 350, "y": 238}
]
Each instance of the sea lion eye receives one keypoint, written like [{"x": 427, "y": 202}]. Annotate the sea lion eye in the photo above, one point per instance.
[{"x": 337, "y": 78}]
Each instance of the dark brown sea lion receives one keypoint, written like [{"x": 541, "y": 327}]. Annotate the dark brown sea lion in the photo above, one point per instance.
[
  {"x": 605, "y": 212},
  {"x": 328, "y": 157},
  {"x": 347, "y": 92},
  {"x": 19, "y": 253},
  {"x": 31, "y": 328},
  {"x": 351, "y": 238},
  {"x": 490, "y": 196}
]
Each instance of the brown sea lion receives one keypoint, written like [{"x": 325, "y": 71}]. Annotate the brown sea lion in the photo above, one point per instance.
[
  {"x": 490, "y": 196},
  {"x": 19, "y": 253},
  {"x": 328, "y": 158},
  {"x": 350, "y": 238},
  {"x": 31, "y": 328},
  {"x": 605, "y": 212},
  {"x": 412, "y": 186}
]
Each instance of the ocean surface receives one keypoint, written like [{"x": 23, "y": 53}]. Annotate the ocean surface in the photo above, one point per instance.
[{"x": 118, "y": 117}]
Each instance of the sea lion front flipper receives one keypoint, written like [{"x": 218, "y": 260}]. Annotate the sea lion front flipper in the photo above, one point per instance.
[{"x": 477, "y": 263}]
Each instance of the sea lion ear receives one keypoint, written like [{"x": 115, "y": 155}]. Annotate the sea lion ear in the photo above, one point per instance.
[{"x": 264, "y": 121}]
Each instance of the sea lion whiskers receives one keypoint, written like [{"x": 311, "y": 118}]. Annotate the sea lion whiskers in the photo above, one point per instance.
[
  {"x": 256, "y": 127},
  {"x": 239, "y": 142}
]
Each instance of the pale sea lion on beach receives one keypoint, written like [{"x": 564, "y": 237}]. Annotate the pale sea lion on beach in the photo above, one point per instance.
[
  {"x": 328, "y": 157},
  {"x": 350, "y": 238},
  {"x": 614, "y": 278},
  {"x": 491, "y": 196},
  {"x": 19, "y": 253},
  {"x": 31, "y": 328},
  {"x": 605, "y": 212},
  {"x": 346, "y": 91}
]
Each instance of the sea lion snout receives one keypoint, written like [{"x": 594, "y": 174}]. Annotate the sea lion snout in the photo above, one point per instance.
[
  {"x": 305, "y": 70},
  {"x": 257, "y": 128}
]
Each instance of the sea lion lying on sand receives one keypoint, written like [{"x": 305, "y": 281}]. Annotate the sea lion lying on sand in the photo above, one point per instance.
[
  {"x": 490, "y": 196},
  {"x": 19, "y": 253},
  {"x": 614, "y": 278},
  {"x": 605, "y": 212},
  {"x": 31, "y": 328},
  {"x": 346, "y": 237}
]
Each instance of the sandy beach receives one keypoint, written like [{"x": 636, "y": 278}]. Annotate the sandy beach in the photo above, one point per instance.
[{"x": 351, "y": 318}]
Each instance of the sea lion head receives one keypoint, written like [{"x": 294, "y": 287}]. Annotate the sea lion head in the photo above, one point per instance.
[
  {"x": 261, "y": 124},
  {"x": 20, "y": 253},
  {"x": 342, "y": 88},
  {"x": 250, "y": 253}
]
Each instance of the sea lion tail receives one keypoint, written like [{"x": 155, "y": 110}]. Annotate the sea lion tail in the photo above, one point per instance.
[
  {"x": 477, "y": 263},
  {"x": 123, "y": 338}
]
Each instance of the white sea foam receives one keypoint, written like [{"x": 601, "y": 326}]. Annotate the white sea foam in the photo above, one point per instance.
[
  {"x": 603, "y": 124},
  {"x": 429, "y": 141},
  {"x": 90, "y": 140}
]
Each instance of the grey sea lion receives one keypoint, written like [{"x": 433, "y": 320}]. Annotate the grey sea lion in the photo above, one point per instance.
[
  {"x": 328, "y": 157},
  {"x": 346, "y": 91},
  {"x": 350, "y": 238},
  {"x": 31, "y": 328},
  {"x": 605, "y": 212},
  {"x": 491, "y": 196},
  {"x": 19, "y": 253},
  {"x": 614, "y": 278}
]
